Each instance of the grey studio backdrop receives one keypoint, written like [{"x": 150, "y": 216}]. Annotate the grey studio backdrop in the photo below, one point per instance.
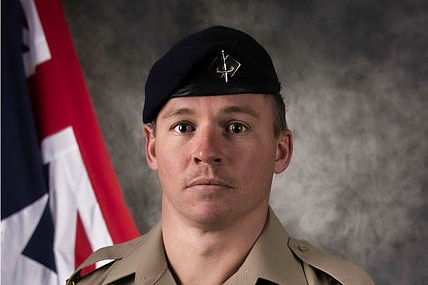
[{"x": 354, "y": 74}]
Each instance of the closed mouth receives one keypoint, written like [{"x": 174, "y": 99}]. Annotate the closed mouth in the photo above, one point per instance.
[{"x": 208, "y": 182}]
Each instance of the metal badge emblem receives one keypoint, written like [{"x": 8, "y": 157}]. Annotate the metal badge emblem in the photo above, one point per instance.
[{"x": 225, "y": 66}]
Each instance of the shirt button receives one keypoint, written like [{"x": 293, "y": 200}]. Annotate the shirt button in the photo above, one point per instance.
[{"x": 302, "y": 247}]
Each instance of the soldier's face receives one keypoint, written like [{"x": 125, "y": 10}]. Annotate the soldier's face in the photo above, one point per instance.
[{"x": 216, "y": 156}]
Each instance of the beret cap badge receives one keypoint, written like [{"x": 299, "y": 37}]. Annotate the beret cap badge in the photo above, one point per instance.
[
  {"x": 215, "y": 61},
  {"x": 224, "y": 65}
]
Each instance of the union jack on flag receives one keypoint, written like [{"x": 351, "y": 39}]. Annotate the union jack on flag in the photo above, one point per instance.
[{"x": 60, "y": 198}]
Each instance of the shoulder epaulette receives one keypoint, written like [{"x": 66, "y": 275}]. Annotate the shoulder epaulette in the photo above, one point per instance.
[
  {"x": 109, "y": 253},
  {"x": 341, "y": 270}
]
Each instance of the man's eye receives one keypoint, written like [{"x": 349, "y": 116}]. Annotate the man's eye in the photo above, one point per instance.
[
  {"x": 183, "y": 128},
  {"x": 236, "y": 128}
]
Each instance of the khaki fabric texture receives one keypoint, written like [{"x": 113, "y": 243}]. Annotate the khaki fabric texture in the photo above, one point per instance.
[{"x": 275, "y": 258}]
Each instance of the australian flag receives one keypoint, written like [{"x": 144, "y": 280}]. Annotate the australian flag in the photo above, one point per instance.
[{"x": 60, "y": 198}]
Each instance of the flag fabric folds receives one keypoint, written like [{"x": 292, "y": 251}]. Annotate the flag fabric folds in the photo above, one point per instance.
[{"x": 60, "y": 198}]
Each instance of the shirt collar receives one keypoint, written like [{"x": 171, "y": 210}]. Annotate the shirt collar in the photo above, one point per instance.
[
  {"x": 147, "y": 261},
  {"x": 270, "y": 258}
]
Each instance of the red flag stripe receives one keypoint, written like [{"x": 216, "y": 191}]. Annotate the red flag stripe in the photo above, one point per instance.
[{"x": 65, "y": 101}]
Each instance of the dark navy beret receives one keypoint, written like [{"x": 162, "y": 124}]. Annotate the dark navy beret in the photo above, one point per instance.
[{"x": 214, "y": 61}]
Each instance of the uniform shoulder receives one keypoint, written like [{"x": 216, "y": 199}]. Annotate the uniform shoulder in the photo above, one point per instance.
[
  {"x": 107, "y": 255},
  {"x": 341, "y": 270}
]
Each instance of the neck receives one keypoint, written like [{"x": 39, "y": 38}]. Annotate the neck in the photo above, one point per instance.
[{"x": 204, "y": 255}]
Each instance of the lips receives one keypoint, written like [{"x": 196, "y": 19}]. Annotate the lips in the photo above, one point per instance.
[{"x": 208, "y": 183}]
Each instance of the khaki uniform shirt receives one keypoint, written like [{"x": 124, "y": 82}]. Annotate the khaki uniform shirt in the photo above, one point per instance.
[{"x": 274, "y": 259}]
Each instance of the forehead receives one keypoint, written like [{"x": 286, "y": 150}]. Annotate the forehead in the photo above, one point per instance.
[{"x": 256, "y": 105}]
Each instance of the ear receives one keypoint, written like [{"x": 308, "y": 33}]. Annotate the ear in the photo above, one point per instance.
[
  {"x": 284, "y": 150},
  {"x": 150, "y": 147}
]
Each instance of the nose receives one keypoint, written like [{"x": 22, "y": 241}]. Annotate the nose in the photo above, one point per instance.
[{"x": 208, "y": 147}]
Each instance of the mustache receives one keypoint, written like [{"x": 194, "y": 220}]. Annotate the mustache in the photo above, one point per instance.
[{"x": 210, "y": 177}]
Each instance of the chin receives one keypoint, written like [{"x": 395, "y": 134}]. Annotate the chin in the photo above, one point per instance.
[{"x": 211, "y": 216}]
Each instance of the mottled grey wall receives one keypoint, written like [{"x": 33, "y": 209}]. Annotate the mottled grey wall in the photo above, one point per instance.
[{"x": 355, "y": 79}]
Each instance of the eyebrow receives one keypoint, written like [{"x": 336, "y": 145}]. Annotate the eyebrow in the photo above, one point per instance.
[
  {"x": 241, "y": 109},
  {"x": 227, "y": 110},
  {"x": 178, "y": 112}
]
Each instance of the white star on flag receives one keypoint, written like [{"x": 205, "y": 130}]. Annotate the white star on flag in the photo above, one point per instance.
[{"x": 16, "y": 231}]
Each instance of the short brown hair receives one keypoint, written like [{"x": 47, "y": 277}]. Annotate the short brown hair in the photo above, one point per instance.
[{"x": 279, "y": 112}]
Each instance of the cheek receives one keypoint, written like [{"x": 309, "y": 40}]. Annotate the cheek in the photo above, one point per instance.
[
  {"x": 168, "y": 177},
  {"x": 170, "y": 162},
  {"x": 261, "y": 168},
  {"x": 256, "y": 165},
  {"x": 259, "y": 155}
]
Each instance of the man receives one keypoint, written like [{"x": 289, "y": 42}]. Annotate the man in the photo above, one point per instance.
[{"x": 216, "y": 134}]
